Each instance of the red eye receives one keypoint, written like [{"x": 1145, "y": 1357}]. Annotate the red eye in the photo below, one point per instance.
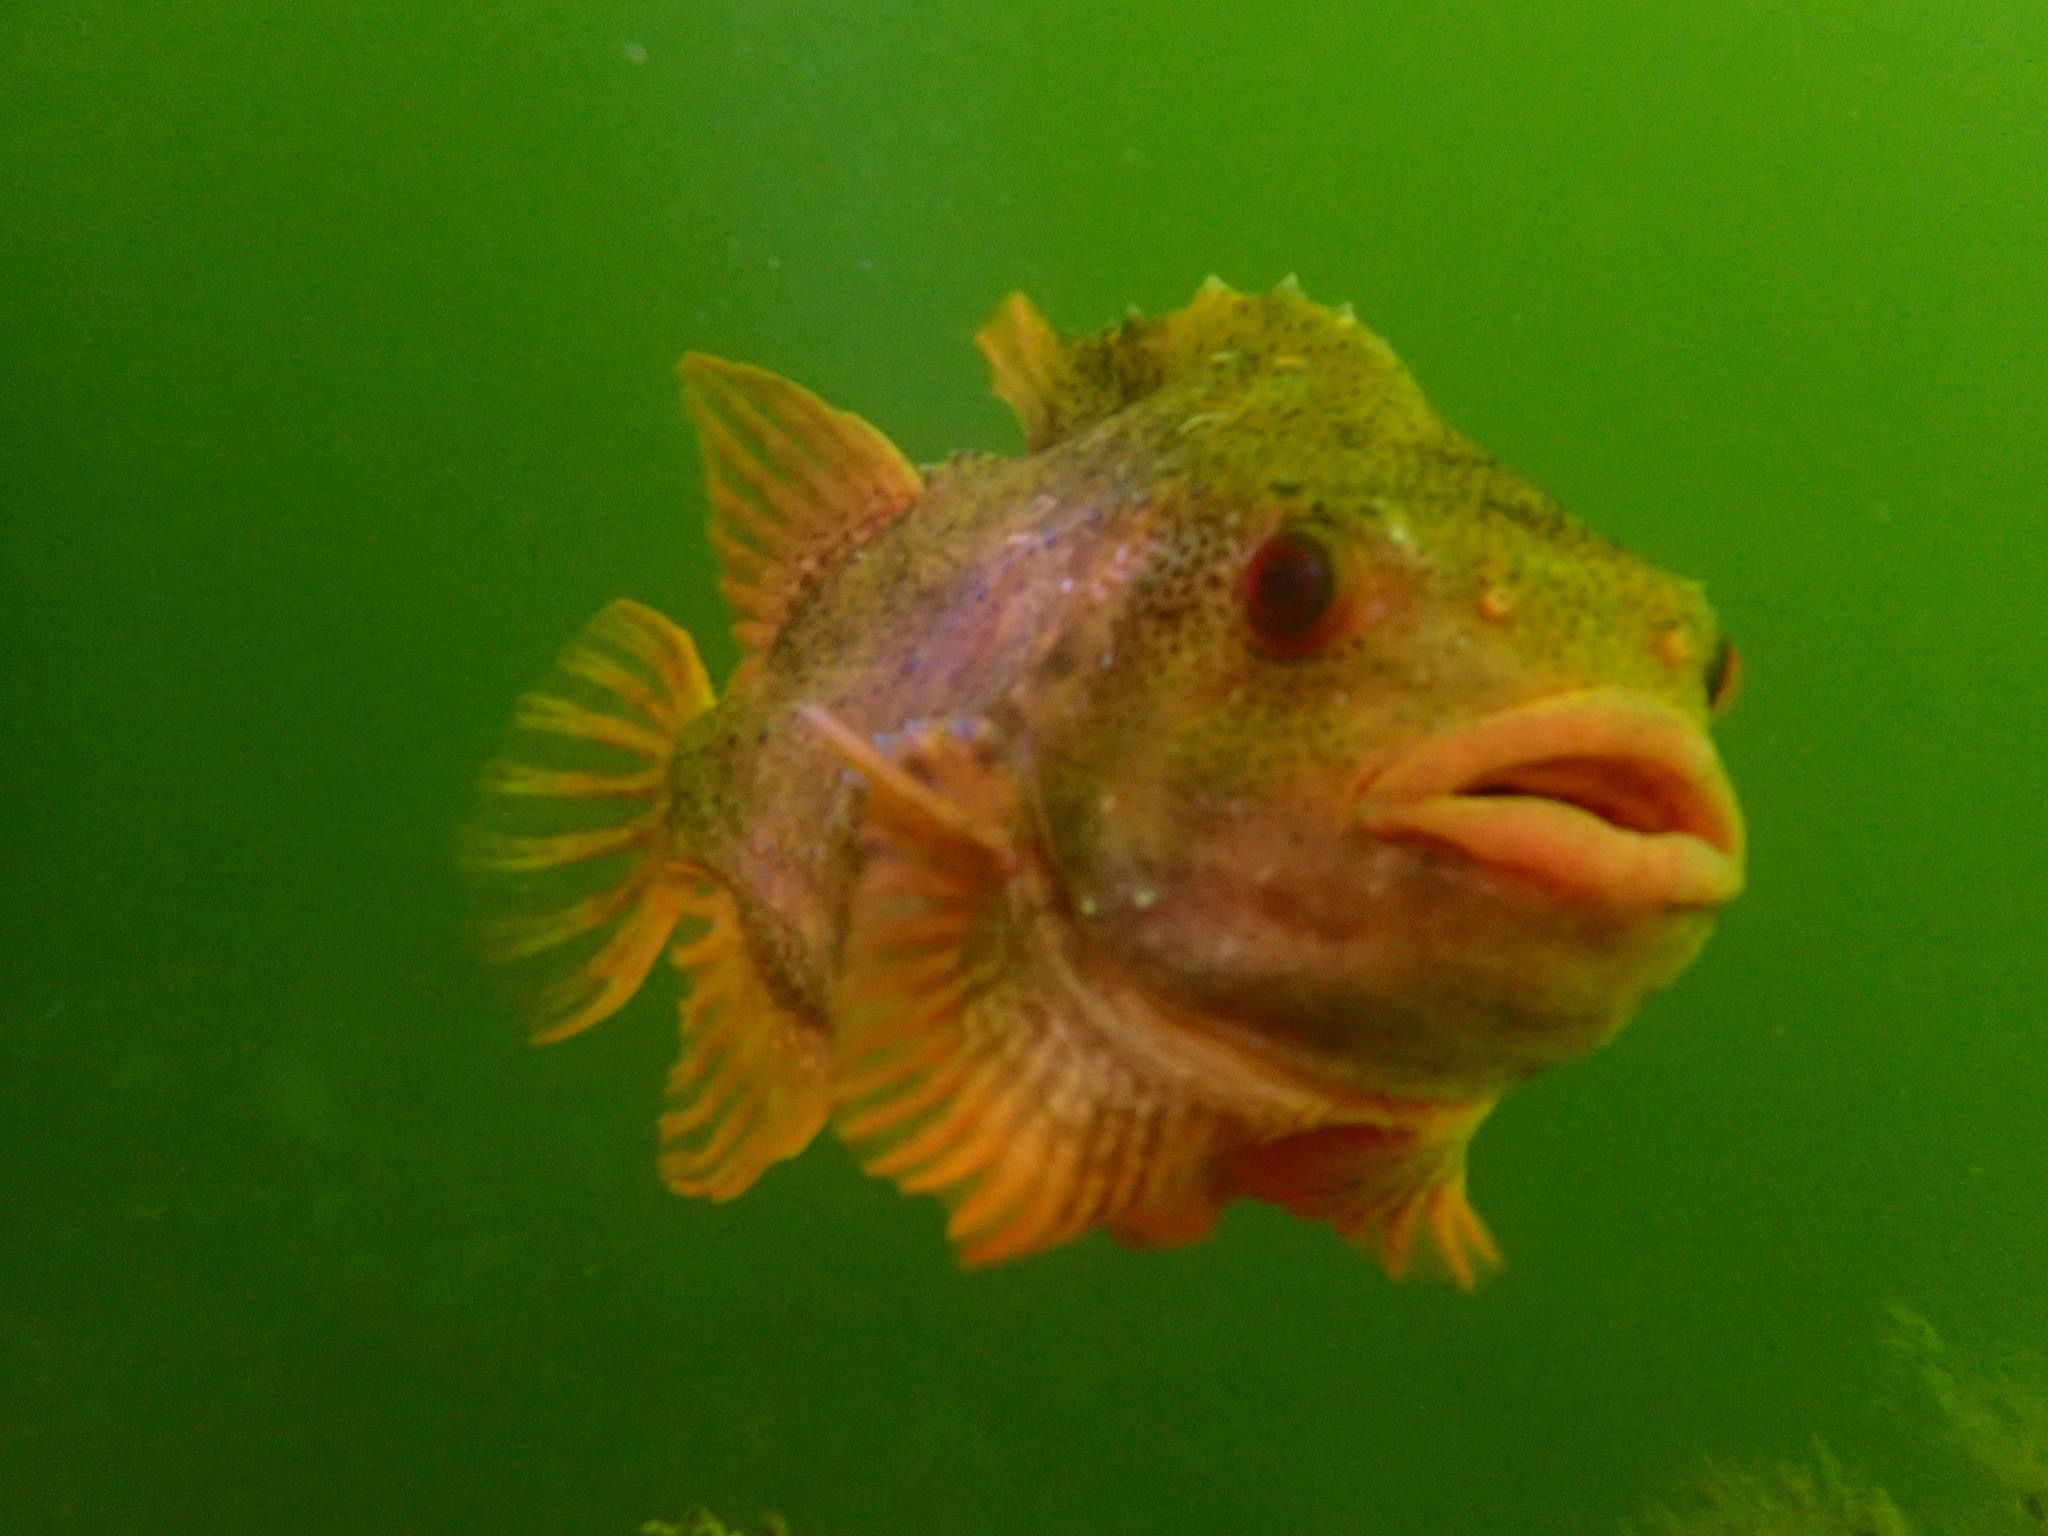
[
  {"x": 1290, "y": 592},
  {"x": 1724, "y": 677}
]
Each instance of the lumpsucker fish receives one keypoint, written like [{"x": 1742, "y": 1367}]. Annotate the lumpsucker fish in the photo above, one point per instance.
[{"x": 1228, "y": 799}]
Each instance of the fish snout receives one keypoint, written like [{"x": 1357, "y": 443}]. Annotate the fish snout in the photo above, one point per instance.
[{"x": 1603, "y": 796}]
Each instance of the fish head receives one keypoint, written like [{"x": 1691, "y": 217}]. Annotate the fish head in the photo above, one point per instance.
[{"x": 1362, "y": 745}]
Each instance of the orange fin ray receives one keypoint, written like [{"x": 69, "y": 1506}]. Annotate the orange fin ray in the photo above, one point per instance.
[
  {"x": 993, "y": 1204},
  {"x": 507, "y": 939},
  {"x": 572, "y": 784},
  {"x": 648, "y": 699},
  {"x": 603, "y": 983},
  {"x": 1029, "y": 369},
  {"x": 964, "y": 1065},
  {"x": 540, "y": 712},
  {"x": 939, "y": 1075},
  {"x": 938, "y": 1131},
  {"x": 999, "y": 1222},
  {"x": 502, "y": 853},
  {"x": 571, "y": 851},
  {"x": 793, "y": 484},
  {"x": 749, "y": 1087},
  {"x": 664, "y": 649}
]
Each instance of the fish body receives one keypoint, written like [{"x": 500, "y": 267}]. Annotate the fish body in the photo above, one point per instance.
[{"x": 1231, "y": 797}]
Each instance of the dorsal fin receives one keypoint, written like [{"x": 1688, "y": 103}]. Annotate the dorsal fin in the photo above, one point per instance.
[
  {"x": 1059, "y": 385},
  {"x": 794, "y": 485},
  {"x": 1051, "y": 383}
]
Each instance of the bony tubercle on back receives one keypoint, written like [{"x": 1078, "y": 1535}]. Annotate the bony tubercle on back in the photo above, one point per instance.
[{"x": 1229, "y": 798}]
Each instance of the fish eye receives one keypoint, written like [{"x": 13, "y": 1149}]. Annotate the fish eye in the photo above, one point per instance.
[
  {"x": 1724, "y": 677},
  {"x": 1290, "y": 592}
]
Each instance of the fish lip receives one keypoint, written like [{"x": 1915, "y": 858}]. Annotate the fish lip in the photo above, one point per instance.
[{"x": 1603, "y": 795}]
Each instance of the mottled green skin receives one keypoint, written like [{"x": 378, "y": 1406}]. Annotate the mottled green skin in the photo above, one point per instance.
[{"x": 1194, "y": 793}]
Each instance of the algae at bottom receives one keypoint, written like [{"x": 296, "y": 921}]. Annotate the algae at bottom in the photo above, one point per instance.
[
  {"x": 1994, "y": 1411},
  {"x": 701, "y": 1522},
  {"x": 1790, "y": 1500}
]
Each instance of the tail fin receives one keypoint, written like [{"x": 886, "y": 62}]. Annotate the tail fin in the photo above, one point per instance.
[{"x": 573, "y": 850}]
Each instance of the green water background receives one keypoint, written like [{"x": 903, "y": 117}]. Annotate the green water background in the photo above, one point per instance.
[{"x": 335, "y": 390}]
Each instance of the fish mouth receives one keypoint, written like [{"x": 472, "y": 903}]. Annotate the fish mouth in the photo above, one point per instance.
[{"x": 1603, "y": 795}]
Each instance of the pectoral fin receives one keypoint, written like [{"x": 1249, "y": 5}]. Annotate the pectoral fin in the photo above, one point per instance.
[
  {"x": 969, "y": 1062},
  {"x": 982, "y": 1056}
]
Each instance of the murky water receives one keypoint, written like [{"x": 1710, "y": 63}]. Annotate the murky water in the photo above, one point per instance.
[{"x": 336, "y": 389}]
